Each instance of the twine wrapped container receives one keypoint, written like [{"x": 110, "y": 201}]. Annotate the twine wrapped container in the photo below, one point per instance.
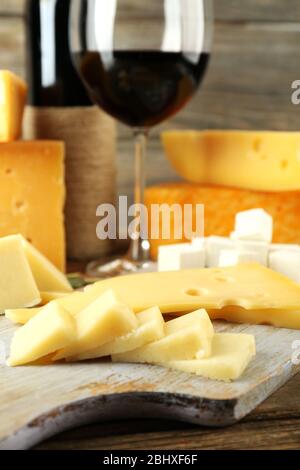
[{"x": 90, "y": 138}]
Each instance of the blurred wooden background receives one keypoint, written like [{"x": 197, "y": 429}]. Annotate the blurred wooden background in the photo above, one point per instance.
[{"x": 255, "y": 59}]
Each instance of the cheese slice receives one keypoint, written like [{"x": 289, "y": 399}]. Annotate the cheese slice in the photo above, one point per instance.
[
  {"x": 21, "y": 316},
  {"x": 47, "y": 276},
  {"x": 32, "y": 194},
  {"x": 262, "y": 160},
  {"x": 13, "y": 95},
  {"x": 185, "y": 338},
  {"x": 102, "y": 321},
  {"x": 221, "y": 205},
  {"x": 151, "y": 327},
  {"x": 47, "y": 297},
  {"x": 52, "y": 329},
  {"x": 250, "y": 286},
  {"x": 231, "y": 354},
  {"x": 17, "y": 285}
]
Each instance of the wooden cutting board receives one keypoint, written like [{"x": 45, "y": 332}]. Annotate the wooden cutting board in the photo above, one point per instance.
[{"x": 37, "y": 402}]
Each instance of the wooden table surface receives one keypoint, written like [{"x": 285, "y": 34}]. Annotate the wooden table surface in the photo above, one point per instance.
[{"x": 275, "y": 424}]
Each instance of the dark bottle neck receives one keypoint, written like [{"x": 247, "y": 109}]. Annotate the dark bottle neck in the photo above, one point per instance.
[{"x": 52, "y": 77}]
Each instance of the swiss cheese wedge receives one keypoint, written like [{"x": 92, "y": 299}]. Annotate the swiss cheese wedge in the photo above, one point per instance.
[
  {"x": 250, "y": 286},
  {"x": 231, "y": 354},
  {"x": 187, "y": 337}
]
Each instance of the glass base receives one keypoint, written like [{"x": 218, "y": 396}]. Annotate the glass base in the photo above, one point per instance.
[{"x": 119, "y": 267}]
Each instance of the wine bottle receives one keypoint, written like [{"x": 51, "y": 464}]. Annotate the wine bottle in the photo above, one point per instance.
[{"x": 59, "y": 108}]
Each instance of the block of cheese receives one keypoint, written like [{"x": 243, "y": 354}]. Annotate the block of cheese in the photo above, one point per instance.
[
  {"x": 266, "y": 161},
  {"x": 231, "y": 354},
  {"x": 17, "y": 285},
  {"x": 47, "y": 276},
  {"x": 250, "y": 286},
  {"x": 279, "y": 318},
  {"x": 13, "y": 95},
  {"x": 100, "y": 322},
  {"x": 186, "y": 337},
  {"x": 180, "y": 256},
  {"x": 32, "y": 193},
  {"x": 222, "y": 204},
  {"x": 151, "y": 327},
  {"x": 52, "y": 329}
]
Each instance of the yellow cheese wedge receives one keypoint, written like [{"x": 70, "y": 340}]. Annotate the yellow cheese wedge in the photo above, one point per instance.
[
  {"x": 185, "y": 338},
  {"x": 49, "y": 296},
  {"x": 231, "y": 354},
  {"x": 32, "y": 194},
  {"x": 47, "y": 276},
  {"x": 101, "y": 322},
  {"x": 266, "y": 161},
  {"x": 52, "y": 329},
  {"x": 250, "y": 286},
  {"x": 21, "y": 316},
  {"x": 17, "y": 285},
  {"x": 151, "y": 327},
  {"x": 13, "y": 95}
]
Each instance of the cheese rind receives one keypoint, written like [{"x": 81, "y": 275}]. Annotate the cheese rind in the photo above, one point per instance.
[
  {"x": 231, "y": 354},
  {"x": 52, "y": 329},
  {"x": 151, "y": 327},
  {"x": 32, "y": 192},
  {"x": 266, "y": 161},
  {"x": 47, "y": 276},
  {"x": 100, "y": 322},
  {"x": 13, "y": 95},
  {"x": 185, "y": 338},
  {"x": 17, "y": 285},
  {"x": 250, "y": 286}
]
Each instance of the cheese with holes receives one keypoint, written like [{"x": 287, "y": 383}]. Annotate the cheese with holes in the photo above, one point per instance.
[
  {"x": 47, "y": 276},
  {"x": 100, "y": 322},
  {"x": 280, "y": 318},
  {"x": 221, "y": 206},
  {"x": 266, "y": 161},
  {"x": 151, "y": 327},
  {"x": 52, "y": 329},
  {"x": 250, "y": 286},
  {"x": 231, "y": 354},
  {"x": 13, "y": 95},
  {"x": 32, "y": 193},
  {"x": 17, "y": 285},
  {"x": 186, "y": 337}
]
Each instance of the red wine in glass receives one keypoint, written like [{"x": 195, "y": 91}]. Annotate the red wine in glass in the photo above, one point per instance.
[{"x": 141, "y": 62}]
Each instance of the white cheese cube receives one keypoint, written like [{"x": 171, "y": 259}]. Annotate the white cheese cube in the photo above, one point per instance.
[
  {"x": 214, "y": 246},
  {"x": 198, "y": 243},
  {"x": 258, "y": 250},
  {"x": 254, "y": 224},
  {"x": 235, "y": 257},
  {"x": 286, "y": 262},
  {"x": 180, "y": 256}
]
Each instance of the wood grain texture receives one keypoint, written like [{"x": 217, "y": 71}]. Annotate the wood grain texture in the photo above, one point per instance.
[{"x": 37, "y": 402}]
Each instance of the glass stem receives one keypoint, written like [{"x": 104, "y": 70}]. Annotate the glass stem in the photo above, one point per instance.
[{"x": 139, "y": 250}]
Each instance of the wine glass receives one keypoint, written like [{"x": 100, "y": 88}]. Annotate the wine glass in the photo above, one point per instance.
[{"x": 141, "y": 62}]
